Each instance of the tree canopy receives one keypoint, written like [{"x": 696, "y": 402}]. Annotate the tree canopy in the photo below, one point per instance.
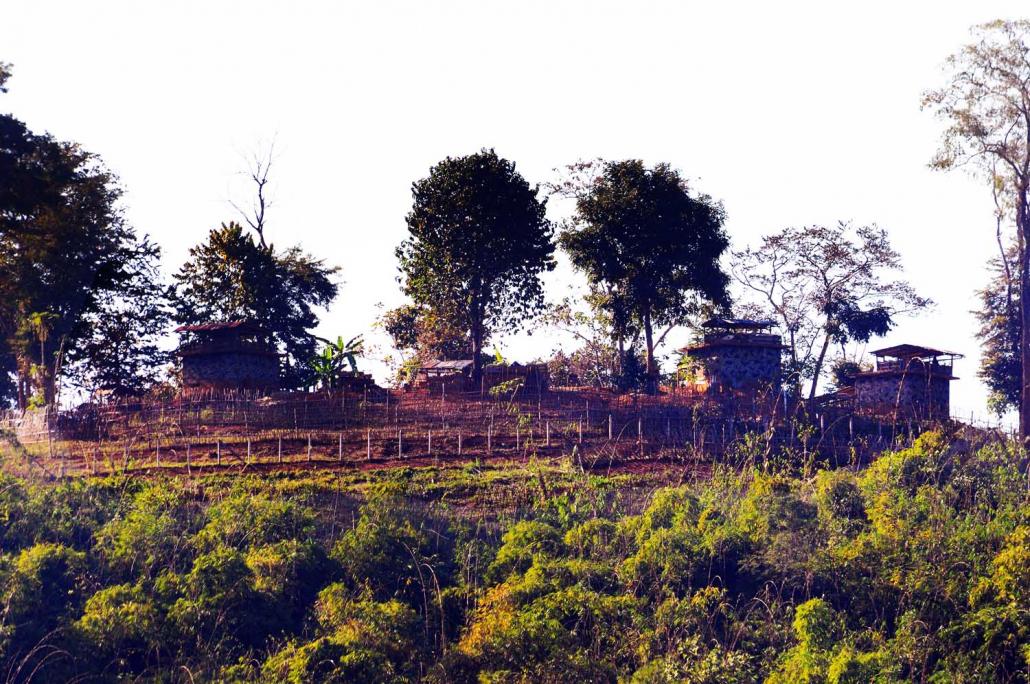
[
  {"x": 478, "y": 241},
  {"x": 985, "y": 106},
  {"x": 231, "y": 277},
  {"x": 650, "y": 246},
  {"x": 70, "y": 263}
]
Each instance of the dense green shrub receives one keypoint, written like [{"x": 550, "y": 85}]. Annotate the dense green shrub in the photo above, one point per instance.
[{"x": 915, "y": 568}]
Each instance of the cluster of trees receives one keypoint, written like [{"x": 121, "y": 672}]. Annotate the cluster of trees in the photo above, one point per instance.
[
  {"x": 479, "y": 242},
  {"x": 917, "y": 569},
  {"x": 652, "y": 252},
  {"x": 82, "y": 299}
]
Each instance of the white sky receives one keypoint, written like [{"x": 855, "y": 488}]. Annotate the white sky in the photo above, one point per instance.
[{"x": 791, "y": 113}]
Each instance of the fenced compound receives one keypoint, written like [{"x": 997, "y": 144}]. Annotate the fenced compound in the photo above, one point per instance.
[{"x": 242, "y": 430}]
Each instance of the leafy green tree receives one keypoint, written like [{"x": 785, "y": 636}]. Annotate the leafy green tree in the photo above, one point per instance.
[
  {"x": 69, "y": 260},
  {"x": 648, "y": 245},
  {"x": 231, "y": 277},
  {"x": 987, "y": 130},
  {"x": 478, "y": 241},
  {"x": 999, "y": 333}
]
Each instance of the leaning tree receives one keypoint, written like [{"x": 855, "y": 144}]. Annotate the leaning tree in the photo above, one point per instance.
[
  {"x": 478, "y": 241},
  {"x": 648, "y": 244},
  {"x": 986, "y": 108}
]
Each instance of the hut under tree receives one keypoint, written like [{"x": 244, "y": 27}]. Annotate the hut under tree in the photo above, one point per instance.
[
  {"x": 735, "y": 354},
  {"x": 235, "y": 355},
  {"x": 456, "y": 376}
]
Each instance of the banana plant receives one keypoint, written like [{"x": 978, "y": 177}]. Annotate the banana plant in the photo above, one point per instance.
[{"x": 332, "y": 361}]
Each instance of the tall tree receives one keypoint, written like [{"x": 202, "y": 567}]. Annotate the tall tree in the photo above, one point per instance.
[
  {"x": 478, "y": 241},
  {"x": 648, "y": 245},
  {"x": 986, "y": 109},
  {"x": 825, "y": 285},
  {"x": 65, "y": 253},
  {"x": 231, "y": 277}
]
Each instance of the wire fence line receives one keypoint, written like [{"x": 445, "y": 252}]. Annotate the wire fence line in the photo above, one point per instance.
[{"x": 242, "y": 429}]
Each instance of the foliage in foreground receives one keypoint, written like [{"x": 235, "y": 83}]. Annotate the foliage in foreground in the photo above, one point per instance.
[{"x": 915, "y": 569}]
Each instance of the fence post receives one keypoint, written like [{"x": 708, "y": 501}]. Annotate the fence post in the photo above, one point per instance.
[
  {"x": 459, "y": 442},
  {"x": 248, "y": 452},
  {"x": 368, "y": 444},
  {"x": 218, "y": 452},
  {"x": 309, "y": 447},
  {"x": 400, "y": 444},
  {"x": 280, "y": 449},
  {"x": 339, "y": 453},
  {"x": 609, "y": 427},
  {"x": 429, "y": 441},
  {"x": 580, "y": 430}
]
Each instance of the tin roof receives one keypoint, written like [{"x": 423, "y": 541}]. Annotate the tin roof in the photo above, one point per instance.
[
  {"x": 448, "y": 365},
  {"x": 912, "y": 351},
  {"x": 743, "y": 323},
  {"x": 216, "y": 326}
]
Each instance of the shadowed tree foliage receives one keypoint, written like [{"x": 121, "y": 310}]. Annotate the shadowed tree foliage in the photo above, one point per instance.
[
  {"x": 985, "y": 106},
  {"x": 231, "y": 277},
  {"x": 647, "y": 245},
  {"x": 998, "y": 316},
  {"x": 478, "y": 241},
  {"x": 69, "y": 260}
]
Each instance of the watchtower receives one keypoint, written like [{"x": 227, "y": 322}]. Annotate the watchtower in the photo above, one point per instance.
[
  {"x": 735, "y": 354},
  {"x": 232, "y": 355},
  {"x": 908, "y": 380}
]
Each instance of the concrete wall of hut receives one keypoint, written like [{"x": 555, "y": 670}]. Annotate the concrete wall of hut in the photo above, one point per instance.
[
  {"x": 741, "y": 367},
  {"x": 231, "y": 371},
  {"x": 918, "y": 396}
]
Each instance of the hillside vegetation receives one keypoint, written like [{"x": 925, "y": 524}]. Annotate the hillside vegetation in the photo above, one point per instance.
[{"x": 916, "y": 568}]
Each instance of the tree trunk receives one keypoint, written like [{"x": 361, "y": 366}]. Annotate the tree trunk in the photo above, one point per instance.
[
  {"x": 650, "y": 369},
  {"x": 1023, "y": 228},
  {"x": 819, "y": 367},
  {"x": 477, "y": 355}
]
